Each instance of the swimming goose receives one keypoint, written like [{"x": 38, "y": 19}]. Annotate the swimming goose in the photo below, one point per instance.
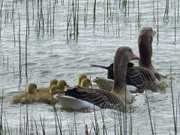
[
  {"x": 143, "y": 77},
  {"x": 145, "y": 40},
  {"x": 119, "y": 97}
]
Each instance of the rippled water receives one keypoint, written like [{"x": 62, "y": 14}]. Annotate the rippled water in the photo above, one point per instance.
[{"x": 50, "y": 58}]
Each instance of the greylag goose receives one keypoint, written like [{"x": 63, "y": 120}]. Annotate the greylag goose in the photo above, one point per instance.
[
  {"x": 119, "y": 96},
  {"x": 143, "y": 77},
  {"x": 145, "y": 50}
]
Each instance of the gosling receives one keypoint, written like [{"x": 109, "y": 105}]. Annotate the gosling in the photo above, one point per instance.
[{"x": 26, "y": 97}]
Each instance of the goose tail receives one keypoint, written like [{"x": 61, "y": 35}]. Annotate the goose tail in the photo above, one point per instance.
[{"x": 99, "y": 66}]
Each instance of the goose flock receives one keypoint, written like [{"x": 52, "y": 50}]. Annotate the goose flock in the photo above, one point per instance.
[{"x": 111, "y": 93}]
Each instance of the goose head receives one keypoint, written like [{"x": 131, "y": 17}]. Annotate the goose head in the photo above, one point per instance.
[
  {"x": 85, "y": 83},
  {"x": 31, "y": 88},
  {"x": 122, "y": 57},
  {"x": 145, "y": 46}
]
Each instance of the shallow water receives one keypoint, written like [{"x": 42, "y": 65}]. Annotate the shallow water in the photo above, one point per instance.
[{"x": 50, "y": 58}]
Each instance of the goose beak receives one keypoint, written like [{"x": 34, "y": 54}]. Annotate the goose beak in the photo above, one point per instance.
[{"x": 134, "y": 57}]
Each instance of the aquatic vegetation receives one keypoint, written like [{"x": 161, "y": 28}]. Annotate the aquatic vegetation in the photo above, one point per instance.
[{"x": 32, "y": 31}]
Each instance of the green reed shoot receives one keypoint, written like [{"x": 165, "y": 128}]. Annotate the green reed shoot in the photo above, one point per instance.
[
  {"x": 94, "y": 15},
  {"x": 178, "y": 8},
  {"x": 104, "y": 124},
  {"x": 26, "y": 40},
  {"x": 95, "y": 124},
  {"x": 166, "y": 12},
  {"x": 42, "y": 123},
  {"x": 157, "y": 23},
  {"x": 1, "y": 7},
  {"x": 138, "y": 15},
  {"x": 172, "y": 101},
  {"x": 124, "y": 4},
  {"x": 175, "y": 23},
  {"x": 20, "y": 65},
  {"x": 1, "y": 114},
  {"x": 149, "y": 113},
  {"x": 154, "y": 18},
  {"x": 58, "y": 120}
]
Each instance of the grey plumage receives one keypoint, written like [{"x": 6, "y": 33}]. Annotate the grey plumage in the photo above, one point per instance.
[{"x": 98, "y": 97}]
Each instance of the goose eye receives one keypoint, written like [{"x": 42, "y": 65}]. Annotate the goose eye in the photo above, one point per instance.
[{"x": 130, "y": 50}]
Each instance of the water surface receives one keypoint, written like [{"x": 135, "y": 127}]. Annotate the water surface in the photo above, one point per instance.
[{"x": 51, "y": 57}]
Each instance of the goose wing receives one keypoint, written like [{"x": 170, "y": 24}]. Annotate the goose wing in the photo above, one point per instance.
[
  {"x": 142, "y": 78},
  {"x": 101, "y": 98}
]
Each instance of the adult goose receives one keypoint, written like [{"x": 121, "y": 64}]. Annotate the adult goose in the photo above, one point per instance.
[
  {"x": 145, "y": 40},
  {"x": 118, "y": 97},
  {"x": 145, "y": 50},
  {"x": 143, "y": 77}
]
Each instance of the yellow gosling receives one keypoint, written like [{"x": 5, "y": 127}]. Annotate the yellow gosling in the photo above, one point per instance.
[
  {"x": 81, "y": 77},
  {"x": 53, "y": 90},
  {"x": 62, "y": 85},
  {"x": 26, "y": 97},
  {"x": 46, "y": 96},
  {"x": 43, "y": 89},
  {"x": 53, "y": 82},
  {"x": 105, "y": 84},
  {"x": 31, "y": 88},
  {"x": 85, "y": 83}
]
